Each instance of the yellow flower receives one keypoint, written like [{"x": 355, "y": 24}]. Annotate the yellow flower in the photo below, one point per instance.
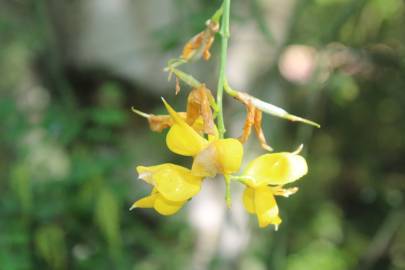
[
  {"x": 261, "y": 201},
  {"x": 275, "y": 170},
  {"x": 173, "y": 186},
  {"x": 159, "y": 203},
  {"x": 211, "y": 156}
]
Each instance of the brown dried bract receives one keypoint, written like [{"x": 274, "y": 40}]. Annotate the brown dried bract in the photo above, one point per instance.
[
  {"x": 192, "y": 45},
  {"x": 177, "y": 86},
  {"x": 250, "y": 120},
  {"x": 200, "y": 44},
  {"x": 158, "y": 123},
  {"x": 198, "y": 104},
  {"x": 253, "y": 118}
]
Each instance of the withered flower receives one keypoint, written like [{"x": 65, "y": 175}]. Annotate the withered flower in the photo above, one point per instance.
[
  {"x": 158, "y": 123},
  {"x": 199, "y": 105},
  {"x": 253, "y": 118},
  {"x": 255, "y": 107},
  {"x": 200, "y": 44},
  {"x": 199, "y": 114}
]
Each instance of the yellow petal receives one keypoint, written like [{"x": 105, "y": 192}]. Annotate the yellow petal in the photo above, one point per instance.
[
  {"x": 146, "y": 172},
  {"x": 229, "y": 155},
  {"x": 248, "y": 200},
  {"x": 267, "y": 219},
  {"x": 275, "y": 169},
  {"x": 181, "y": 138},
  {"x": 266, "y": 207},
  {"x": 146, "y": 202},
  {"x": 176, "y": 183},
  {"x": 198, "y": 125},
  {"x": 215, "y": 136},
  {"x": 166, "y": 207},
  {"x": 205, "y": 164},
  {"x": 221, "y": 156}
]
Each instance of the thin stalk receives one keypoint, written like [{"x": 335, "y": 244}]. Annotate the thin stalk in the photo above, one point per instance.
[
  {"x": 228, "y": 191},
  {"x": 226, "y": 5},
  {"x": 221, "y": 80}
]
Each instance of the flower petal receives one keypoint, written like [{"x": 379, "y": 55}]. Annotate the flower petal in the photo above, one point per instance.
[
  {"x": 266, "y": 207},
  {"x": 221, "y": 156},
  {"x": 229, "y": 155},
  {"x": 181, "y": 138},
  {"x": 248, "y": 200},
  {"x": 267, "y": 219},
  {"x": 176, "y": 183},
  {"x": 146, "y": 202},
  {"x": 146, "y": 172},
  {"x": 205, "y": 164},
  {"x": 166, "y": 207},
  {"x": 275, "y": 169}
]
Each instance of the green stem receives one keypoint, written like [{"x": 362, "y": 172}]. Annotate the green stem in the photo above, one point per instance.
[
  {"x": 221, "y": 81},
  {"x": 226, "y": 5},
  {"x": 228, "y": 191},
  {"x": 229, "y": 90}
]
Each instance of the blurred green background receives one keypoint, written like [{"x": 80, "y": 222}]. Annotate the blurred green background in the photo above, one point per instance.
[{"x": 71, "y": 70}]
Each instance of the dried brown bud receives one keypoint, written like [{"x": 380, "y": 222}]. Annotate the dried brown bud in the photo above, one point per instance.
[
  {"x": 200, "y": 44},
  {"x": 253, "y": 118},
  {"x": 158, "y": 123},
  {"x": 198, "y": 104}
]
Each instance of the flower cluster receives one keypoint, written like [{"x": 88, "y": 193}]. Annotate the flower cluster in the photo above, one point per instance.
[
  {"x": 173, "y": 185},
  {"x": 193, "y": 133}
]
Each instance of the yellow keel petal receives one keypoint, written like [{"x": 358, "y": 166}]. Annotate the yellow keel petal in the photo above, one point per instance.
[
  {"x": 266, "y": 207},
  {"x": 176, "y": 183},
  {"x": 229, "y": 155},
  {"x": 166, "y": 207},
  {"x": 146, "y": 202},
  {"x": 248, "y": 200}
]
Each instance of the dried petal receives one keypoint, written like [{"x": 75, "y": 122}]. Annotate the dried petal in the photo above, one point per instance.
[
  {"x": 198, "y": 104},
  {"x": 250, "y": 119},
  {"x": 253, "y": 117},
  {"x": 272, "y": 109},
  {"x": 200, "y": 44},
  {"x": 177, "y": 85},
  {"x": 259, "y": 131},
  {"x": 158, "y": 123},
  {"x": 192, "y": 45},
  {"x": 206, "y": 52}
]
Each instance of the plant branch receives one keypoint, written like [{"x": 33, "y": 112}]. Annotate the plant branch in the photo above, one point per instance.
[{"x": 221, "y": 80}]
